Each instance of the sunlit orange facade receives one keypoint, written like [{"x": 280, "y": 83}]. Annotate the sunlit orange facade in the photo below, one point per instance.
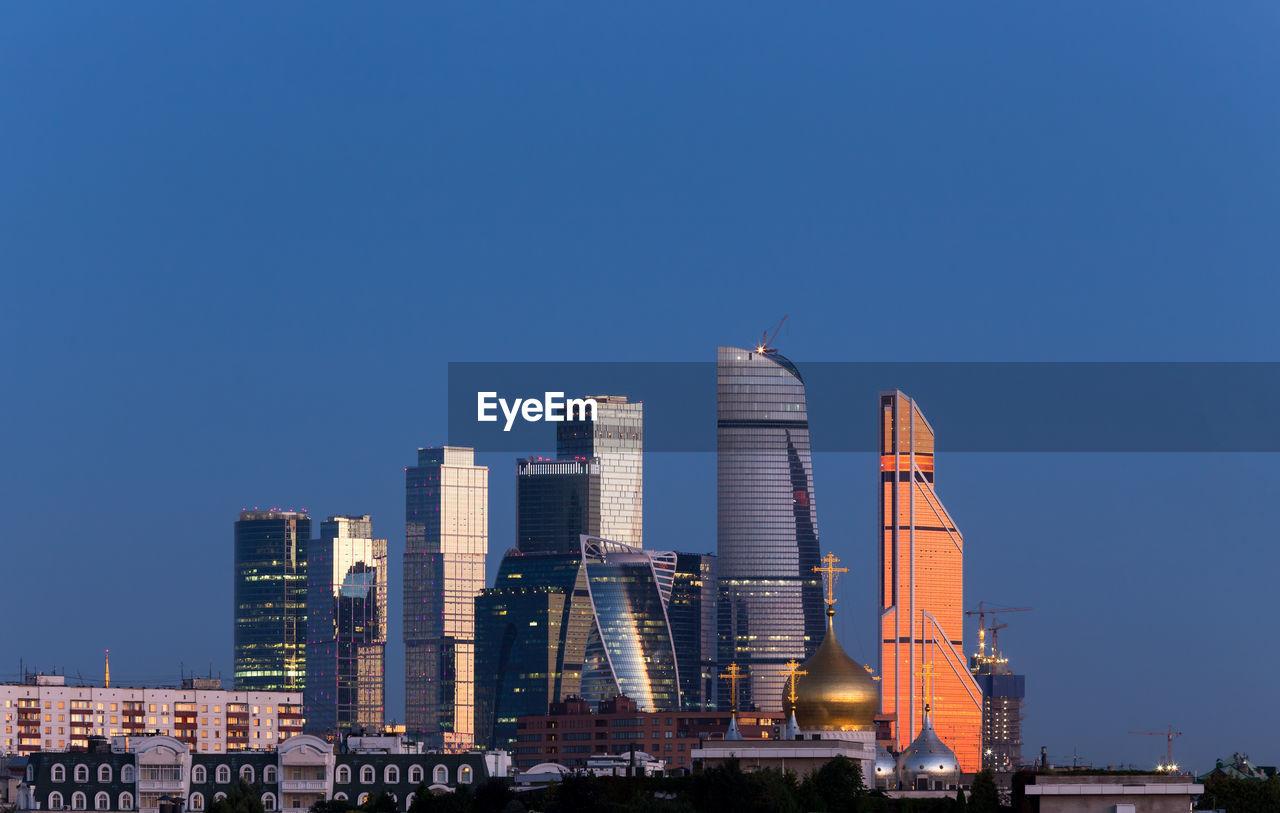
[{"x": 921, "y": 592}]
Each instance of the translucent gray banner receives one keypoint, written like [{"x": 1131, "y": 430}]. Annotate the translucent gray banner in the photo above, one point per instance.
[{"x": 974, "y": 407}]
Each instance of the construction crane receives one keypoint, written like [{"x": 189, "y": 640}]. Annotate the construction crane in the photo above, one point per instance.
[
  {"x": 1170, "y": 734},
  {"x": 981, "y": 612},
  {"x": 766, "y": 341}
]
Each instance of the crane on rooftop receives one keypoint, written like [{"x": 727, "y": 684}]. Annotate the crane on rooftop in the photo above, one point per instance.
[
  {"x": 1170, "y": 735},
  {"x": 982, "y": 612},
  {"x": 766, "y": 341}
]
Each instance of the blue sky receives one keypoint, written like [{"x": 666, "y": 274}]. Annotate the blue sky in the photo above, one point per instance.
[{"x": 240, "y": 244}]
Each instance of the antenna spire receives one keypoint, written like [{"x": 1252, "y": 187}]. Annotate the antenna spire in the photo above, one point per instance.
[{"x": 106, "y": 677}]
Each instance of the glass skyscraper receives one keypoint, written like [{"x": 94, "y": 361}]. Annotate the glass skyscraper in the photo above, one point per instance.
[
  {"x": 556, "y": 502},
  {"x": 692, "y": 613},
  {"x": 922, "y": 591},
  {"x": 629, "y": 648},
  {"x": 446, "y": 540},
  {"x": 615, "y": 437},
  {"x": 270, "y": 594},
  {"x": 770, "y": 600},
  {"x": 346, "y": 627}
]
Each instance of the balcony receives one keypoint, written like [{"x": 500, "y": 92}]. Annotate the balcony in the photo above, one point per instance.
[
  {"x": 172, "y": 785},
  {"x": 303, "y": 785}
]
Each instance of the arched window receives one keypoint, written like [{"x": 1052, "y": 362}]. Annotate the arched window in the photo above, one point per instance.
[
  {"x": 246, "y": 773},
  {"x": 366, "y": 775},
  {"x": 415, "y": 774},
  {"x": 268, "y": 801},
  {"x": 339, "y": 797},
  {"x": 464, "y": 774},
  {"x": 219, "y": 796},
  {"x": 127, "y": 774},
  {"x": 198, "y": 775},
  {"x": 78, "y": 800},
  {"x": 342, "y": 776},
  {"x": 269, "y": 774},
  {"x": 55, "y": 801},
  {"x": 101, "y": 801},
  {"x": 82, "y": 774},
  {"x": 391, "y": 775},
  {"x": 57, "y": 774},
  {"x": 104, "y": 774},
  {"x": 126, "y": 800},
  {"x": 222, "y": 774},
  {"x": 196, "y": 802},
  {"x": 362, "y": 799},
  {"x": 440, "y": 775},
  {"x": 408, "y": 803}
]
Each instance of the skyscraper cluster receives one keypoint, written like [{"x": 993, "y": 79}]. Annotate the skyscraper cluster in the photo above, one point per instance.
[{"x": 584, "y": 608}]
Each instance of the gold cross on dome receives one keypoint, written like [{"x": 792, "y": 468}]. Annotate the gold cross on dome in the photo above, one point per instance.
[
  {"x": 792, "y": 671},
  {"x": 927, "y": 672},
  {"x": 829, "y": 575},
  {"x": 734, "y": 674}
]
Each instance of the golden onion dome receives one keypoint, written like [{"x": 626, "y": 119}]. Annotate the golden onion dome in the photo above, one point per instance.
[{"x": 833, "y": 691}]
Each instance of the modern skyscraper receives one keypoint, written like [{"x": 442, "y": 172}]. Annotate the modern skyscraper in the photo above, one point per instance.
[
  {"x": 557, "y": 501},
  {"x": 770, "y": 603},
  {"x": 629, "y": 646},
  {"x": 531, "y": 638},
  {"x": 270, "y": 595},
  {"x": 692, "y": 613},
  {"x": 1003, "y": 696},
  {"x": 346, "y": 627},
  {"x": 446, "y": 539},
  {"x": 615, "y": 437},
  {"x": 922, "y": 591}
]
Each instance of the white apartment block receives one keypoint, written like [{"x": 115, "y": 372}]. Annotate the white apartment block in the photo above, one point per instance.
[{"x": 45, "y": 714}]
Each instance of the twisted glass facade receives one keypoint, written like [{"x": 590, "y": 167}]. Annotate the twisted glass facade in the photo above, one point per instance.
[
  {"x": 629, "y": 649},
  {"x": 615, "y": 437},
  {"x": 446, "y": 540},
  {"x": 770, "y": 601},
  {"x": 922, "y": 591},
  {"x": 271, "y": 600},
  {"x": 346, "y": 627}
]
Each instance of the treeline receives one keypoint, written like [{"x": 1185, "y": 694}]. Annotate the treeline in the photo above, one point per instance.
[{"x": 1240, "y": 795}]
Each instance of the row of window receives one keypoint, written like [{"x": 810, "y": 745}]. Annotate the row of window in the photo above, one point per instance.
[{"x": 222, "y": 774}]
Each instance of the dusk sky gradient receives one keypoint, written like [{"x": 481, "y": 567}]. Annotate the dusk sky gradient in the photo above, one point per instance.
[{"x": 240, "y": 244}]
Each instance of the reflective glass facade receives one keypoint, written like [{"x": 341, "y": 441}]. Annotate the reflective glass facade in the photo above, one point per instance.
[
  {"x": 692, "y": 613},
  {"x": 346, "y": 627},
  {"x": 922, "y": 591},
  {"x": 629, "y": 649},
  {"x": 270, "y": 595},
  {"x": 770, "y": 601},
  {"x": 446, "y": 540},
  {"x": 616, "y": 438},
  {"x": 556, "y": 502},
  {"x": 531, "y": 634}
]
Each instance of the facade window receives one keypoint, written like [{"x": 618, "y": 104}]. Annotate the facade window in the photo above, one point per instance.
[
  {"x": 127, "y": 774},
  {"x": 464, "y": 775},
  {"x": 197, "y": 802},
  {"x": 415, "y": 774},
  {"x": 339, "y": 797},
  {"x": 55, "y": 801},
  {"x": 198, "y": 775},
  {"x": 247, "y": 774},
  {"x": 440, "y": 775},
  {"x": 342, "y": 776},
  {"x": 362, "y": 800},
  {"x": 222, "y": 774},
  {"x": 366, "y": 775},
  {"x": 268, "y": 801},
  {"x": 82, "y": 775},
  {"x": 219, "y": 796},
  {"x": 269, "y": 774},
  {"x": 104, "y": 775},
  {"x": 101, "y": 802},
  {"x": 126, "y": 801},
  {"x": 391, "y": 775},
  {"x": 408, "y": 803},
  {"x": 78, "y": 800},
  {"x": 58, "y": 774}
]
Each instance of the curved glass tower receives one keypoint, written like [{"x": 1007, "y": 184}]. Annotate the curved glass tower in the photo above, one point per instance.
[{"x": 770, "y": 600}]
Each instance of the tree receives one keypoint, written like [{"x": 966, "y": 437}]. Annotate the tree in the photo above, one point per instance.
[
  {"x": 243, "y": 798},
  {"x": 492, "y": 796},
  {"x": 331, "y": 806},
  {"x": 576, "y": 793},
  {"x": 960, "y": 803},
  {"x": 983, "y": 796},
  {"x": 382, "y": 803},
  {"x": 834, "y": 787}
]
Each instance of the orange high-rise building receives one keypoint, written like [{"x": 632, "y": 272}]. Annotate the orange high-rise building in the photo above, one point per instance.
[{"x": 921, "y": 591}]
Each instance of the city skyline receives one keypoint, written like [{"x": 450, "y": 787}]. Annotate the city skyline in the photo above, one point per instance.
[{"x": 190, "y": 190}]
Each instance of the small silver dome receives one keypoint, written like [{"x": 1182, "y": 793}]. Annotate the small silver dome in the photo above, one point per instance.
[
  {"x": 928, "y": 755},
  {"x": 885, "y": 763}
]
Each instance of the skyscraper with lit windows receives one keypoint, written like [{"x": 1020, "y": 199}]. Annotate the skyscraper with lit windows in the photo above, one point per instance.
[
  {"x": 446, "y": 541},
  {"x": 270, "y": 595},
  {"x": 614, "y": 437},
  {"x": 770, "y": 601},
  {"x": 922, "y": 591}
]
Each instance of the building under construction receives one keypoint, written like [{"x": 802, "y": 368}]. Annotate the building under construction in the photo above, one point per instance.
[{"x": 1003, "y": 695}]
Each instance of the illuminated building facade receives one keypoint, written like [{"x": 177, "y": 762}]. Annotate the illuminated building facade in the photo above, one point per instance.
[
  {"x": 692, "y": 614},
  {"x": 615, "y": 437},
  {"x": 629, "y": 647},
  {"x": 770, "y": 602},
  {"x": 346, "y": 627},
  {"x": 922, "y": 591},
  {"x": 270, "y": 595},
  {"x": 446, "y": 540}
]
